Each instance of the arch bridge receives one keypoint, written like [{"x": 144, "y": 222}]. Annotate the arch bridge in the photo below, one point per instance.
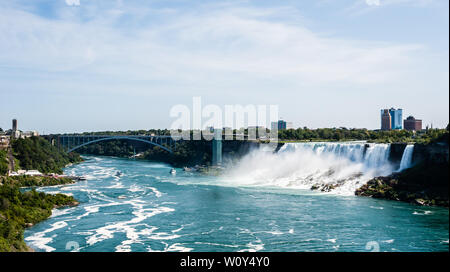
[{"x": 71, "y": 143}]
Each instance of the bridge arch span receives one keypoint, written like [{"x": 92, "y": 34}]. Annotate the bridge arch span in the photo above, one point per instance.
[{"x": 119, "y": 138}]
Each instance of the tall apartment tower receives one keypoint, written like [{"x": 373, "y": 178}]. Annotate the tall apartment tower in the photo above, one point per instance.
[
  {"x": 14, "y": 124},
  {"x": 281, "y": 125},
  {"x": 386, "y": 121},
  {"x": 396, "y": 118}
]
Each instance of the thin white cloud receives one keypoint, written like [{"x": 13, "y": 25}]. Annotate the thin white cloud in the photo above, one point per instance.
[
  {"x": 73, "y": 2},
  {"x": 408, "y": 2},
  {"x": 202, "y": 45},
  {"x": 373, "y": 2},
  {"x": 361, "y": 7}
]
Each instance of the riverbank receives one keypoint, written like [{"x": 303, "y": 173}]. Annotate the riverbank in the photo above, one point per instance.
[
  {"x": 21, "y": 210},
  {"x": 35, "y": 181}
]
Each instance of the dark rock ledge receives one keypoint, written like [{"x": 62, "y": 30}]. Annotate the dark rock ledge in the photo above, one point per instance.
[{"x": 423, "y": 184}]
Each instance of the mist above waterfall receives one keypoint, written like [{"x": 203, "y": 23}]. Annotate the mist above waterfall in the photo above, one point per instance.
[{"x": 337, "y": 167}]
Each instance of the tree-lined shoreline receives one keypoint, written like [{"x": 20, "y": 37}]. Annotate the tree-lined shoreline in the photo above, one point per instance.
[{"x": 21, "y": 209}]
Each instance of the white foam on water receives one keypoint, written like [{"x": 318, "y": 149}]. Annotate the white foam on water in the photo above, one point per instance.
[
  {"x": 59, "y": 212},
  {"x": 96, "y": 208},
  {"x": 133, "y": 238},
  {"x": 422, "y": 212},
  {"x": 89, "y": 177},
  {"x": 164, "y": 236},
  {"x": 255, "y": 246},
  {"x": 155, "y": 191},
  {"x": 312, "y": 239},
  {"x": 388, "y": 241},
  {"x": 178, "y": 230},
  {"x": 274, "y": 232},
  {"x": 135, "y": 188},
  {"x": 39, "y": 239},
  {"x": 83, "y": 233},
  {"x": 169, "y": 203},
  {"x": 128, "y": 227},
  {"x": 53, "y": 192},
  {"x": 332, "y": 240},
  {"x": 100, "y": 172},
  {"x": 123, "y": 248},
  {"x": 116, "y": 185},
  {"x": 216, "y": 244},
  {"x": 178, "y": 247}
]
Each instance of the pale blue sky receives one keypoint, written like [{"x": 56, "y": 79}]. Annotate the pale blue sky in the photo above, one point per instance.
[{"x": 86, "y": 65}]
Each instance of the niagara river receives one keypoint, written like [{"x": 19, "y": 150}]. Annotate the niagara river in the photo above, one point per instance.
[{"x": 263, "y": 202}]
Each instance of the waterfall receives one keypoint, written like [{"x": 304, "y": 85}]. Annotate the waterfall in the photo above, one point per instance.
[
  {"x": 339, "y": 167},
  {"x": 376, "y": 155},
  {"x": 406, "y": 158}
]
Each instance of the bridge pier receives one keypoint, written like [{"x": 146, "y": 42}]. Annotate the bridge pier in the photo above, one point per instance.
[{"x": 217, "y": 148}]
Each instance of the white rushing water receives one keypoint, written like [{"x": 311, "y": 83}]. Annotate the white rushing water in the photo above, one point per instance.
[
  {"x": 406, "y": 158},
  {"x": 337, "y": 167}
]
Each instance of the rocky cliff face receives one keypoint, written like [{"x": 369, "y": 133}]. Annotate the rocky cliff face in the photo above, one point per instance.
[
  {"x": 426, "y": 183},
  {"x": 236, "y": 149},
  {"x": 431, "y": 154},
  {"x": 423, "y": 184},
  {"x": 396, "y": 153}
]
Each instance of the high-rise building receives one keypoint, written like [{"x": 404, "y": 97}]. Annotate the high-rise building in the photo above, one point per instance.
[
  {"x": 412, "y": 123},
  {"x": 15, "y": 132},
  {"x": 14, "y": 124},
  {"x": 396, "y": 118},
  {"x": 386, "y": 121},
  {"x": 281, "y": 125}
]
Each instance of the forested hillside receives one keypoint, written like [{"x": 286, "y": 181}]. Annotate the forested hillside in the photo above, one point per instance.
[
  {"x": 37, "y": 153},
  {"x": 19, "y": 210}
]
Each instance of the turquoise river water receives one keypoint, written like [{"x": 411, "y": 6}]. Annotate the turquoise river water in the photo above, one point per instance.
[{"x": 149, "y": 209}]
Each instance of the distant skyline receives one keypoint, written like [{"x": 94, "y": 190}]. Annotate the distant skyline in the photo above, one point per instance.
[{"x": 95, "y": 65}]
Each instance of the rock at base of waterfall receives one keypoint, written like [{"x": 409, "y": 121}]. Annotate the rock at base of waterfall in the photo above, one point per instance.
[{"x": 422, "y": 184}]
